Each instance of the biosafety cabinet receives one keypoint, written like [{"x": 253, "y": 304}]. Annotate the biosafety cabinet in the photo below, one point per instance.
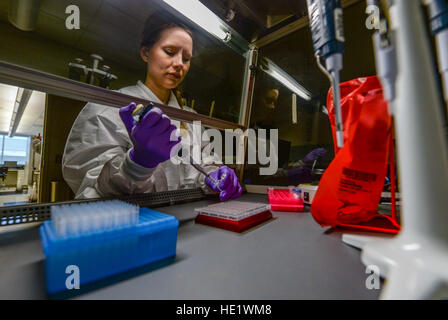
[{"x": 253, "y": 69}]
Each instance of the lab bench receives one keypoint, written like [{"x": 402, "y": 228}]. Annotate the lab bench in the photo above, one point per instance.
[
  {"x": 12, "y": 176},
  {"x": 288, "y": 257}
]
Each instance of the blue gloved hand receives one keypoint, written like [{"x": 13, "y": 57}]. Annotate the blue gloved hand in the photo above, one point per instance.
[
  {"x": 228, "y": 183},
  {"x": 314, "y": 155},
  {"x": 153, "y": 137}
]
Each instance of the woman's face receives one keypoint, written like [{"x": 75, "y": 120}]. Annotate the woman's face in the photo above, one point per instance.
[{"x": 168, "y": 60}]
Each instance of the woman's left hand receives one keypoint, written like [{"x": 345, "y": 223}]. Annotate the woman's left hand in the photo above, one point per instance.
[{"x": 229, "y": 186}]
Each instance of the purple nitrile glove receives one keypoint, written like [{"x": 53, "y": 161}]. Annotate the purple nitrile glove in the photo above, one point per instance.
[
  {"x": 228, "y": 183},
  {"x": 314, "y": 155},
  {"x": 153, "y": 137}
]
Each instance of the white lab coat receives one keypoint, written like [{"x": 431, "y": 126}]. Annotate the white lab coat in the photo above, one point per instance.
[{"x": 96, "y": 160}]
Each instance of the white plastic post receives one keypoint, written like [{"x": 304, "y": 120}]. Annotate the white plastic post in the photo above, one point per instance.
[{"x": 415, "y": 262}]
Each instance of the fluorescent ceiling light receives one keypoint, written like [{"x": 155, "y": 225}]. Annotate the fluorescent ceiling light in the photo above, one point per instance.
[
  {"x": 8, "y": 96},
  {"x": 22, "y": 98},
  {"x": 274, "y": 71},
  {"x": 14, "y": 109},
  {"x": 202, "y": 16}
]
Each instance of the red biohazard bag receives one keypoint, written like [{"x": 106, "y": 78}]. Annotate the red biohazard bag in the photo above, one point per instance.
[{"x": 350, "y": 189}]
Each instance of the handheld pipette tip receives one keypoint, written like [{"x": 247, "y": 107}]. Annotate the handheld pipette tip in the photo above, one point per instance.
[{"x": 340, "y": 138}]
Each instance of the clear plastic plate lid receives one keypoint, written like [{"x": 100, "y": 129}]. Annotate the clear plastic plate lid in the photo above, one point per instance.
[{"x": 234, "y": 210}]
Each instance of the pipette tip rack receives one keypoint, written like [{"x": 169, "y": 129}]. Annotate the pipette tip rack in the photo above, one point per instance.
[
  {"x": 102, "y": 239},
  {"x": 285, "y": 200}
]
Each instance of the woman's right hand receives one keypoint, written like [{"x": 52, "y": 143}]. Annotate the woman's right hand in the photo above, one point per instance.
[{"x": 153, "y": 137}]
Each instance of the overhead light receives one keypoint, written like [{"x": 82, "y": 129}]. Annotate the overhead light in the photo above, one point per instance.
[
  {"x": 274, "y": 71},
  {"x": 202, "y": 16},
  {"x": 23, "y": 14},
  {"x": 22, "y": 98}
]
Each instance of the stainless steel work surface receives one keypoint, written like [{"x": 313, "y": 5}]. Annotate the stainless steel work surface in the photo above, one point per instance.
[{"x": 288, "y": 257}]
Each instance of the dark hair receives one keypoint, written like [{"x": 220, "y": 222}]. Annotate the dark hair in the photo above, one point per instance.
[{"x": 155, "y": 24}]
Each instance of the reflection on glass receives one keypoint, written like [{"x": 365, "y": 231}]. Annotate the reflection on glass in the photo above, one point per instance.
[
  {"x": 285, "y": 79},
  {"x": 305, "y": 146}
]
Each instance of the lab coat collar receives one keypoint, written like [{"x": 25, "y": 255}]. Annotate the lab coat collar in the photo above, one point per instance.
[{"x": 148, "y": 94}]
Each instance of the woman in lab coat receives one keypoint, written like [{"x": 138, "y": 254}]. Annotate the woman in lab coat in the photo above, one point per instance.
[{"x": 107, "y": 154}]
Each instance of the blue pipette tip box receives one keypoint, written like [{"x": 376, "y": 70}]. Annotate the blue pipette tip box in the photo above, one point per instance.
[{"x": 103, "y": 254}]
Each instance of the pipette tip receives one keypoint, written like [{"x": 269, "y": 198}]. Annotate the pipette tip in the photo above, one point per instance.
[{"x": 340, "y": 138}]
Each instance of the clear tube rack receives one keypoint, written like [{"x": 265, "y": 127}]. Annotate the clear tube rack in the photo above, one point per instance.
[
  {"x": 233, "y": 210},
  {"x": 236, "y": 216}
]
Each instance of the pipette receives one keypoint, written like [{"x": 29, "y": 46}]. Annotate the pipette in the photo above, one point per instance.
[
  {"x": 327, "y": 31},
  {"x": 385, "y": 56},
  {"x": 201, "y": 170},
  {"x": 140, "y": 111},
  {"x": 438, "y": 13}
]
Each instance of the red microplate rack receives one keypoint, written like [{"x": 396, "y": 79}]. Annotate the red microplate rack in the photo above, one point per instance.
[
  {"x": 236, "y": 216},
  {"x": 284, "y": 200}
]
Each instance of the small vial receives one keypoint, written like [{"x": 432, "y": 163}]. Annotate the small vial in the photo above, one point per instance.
[
  {"x": 291, "y": 190},
  {"x": 298, "y": 192}
]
